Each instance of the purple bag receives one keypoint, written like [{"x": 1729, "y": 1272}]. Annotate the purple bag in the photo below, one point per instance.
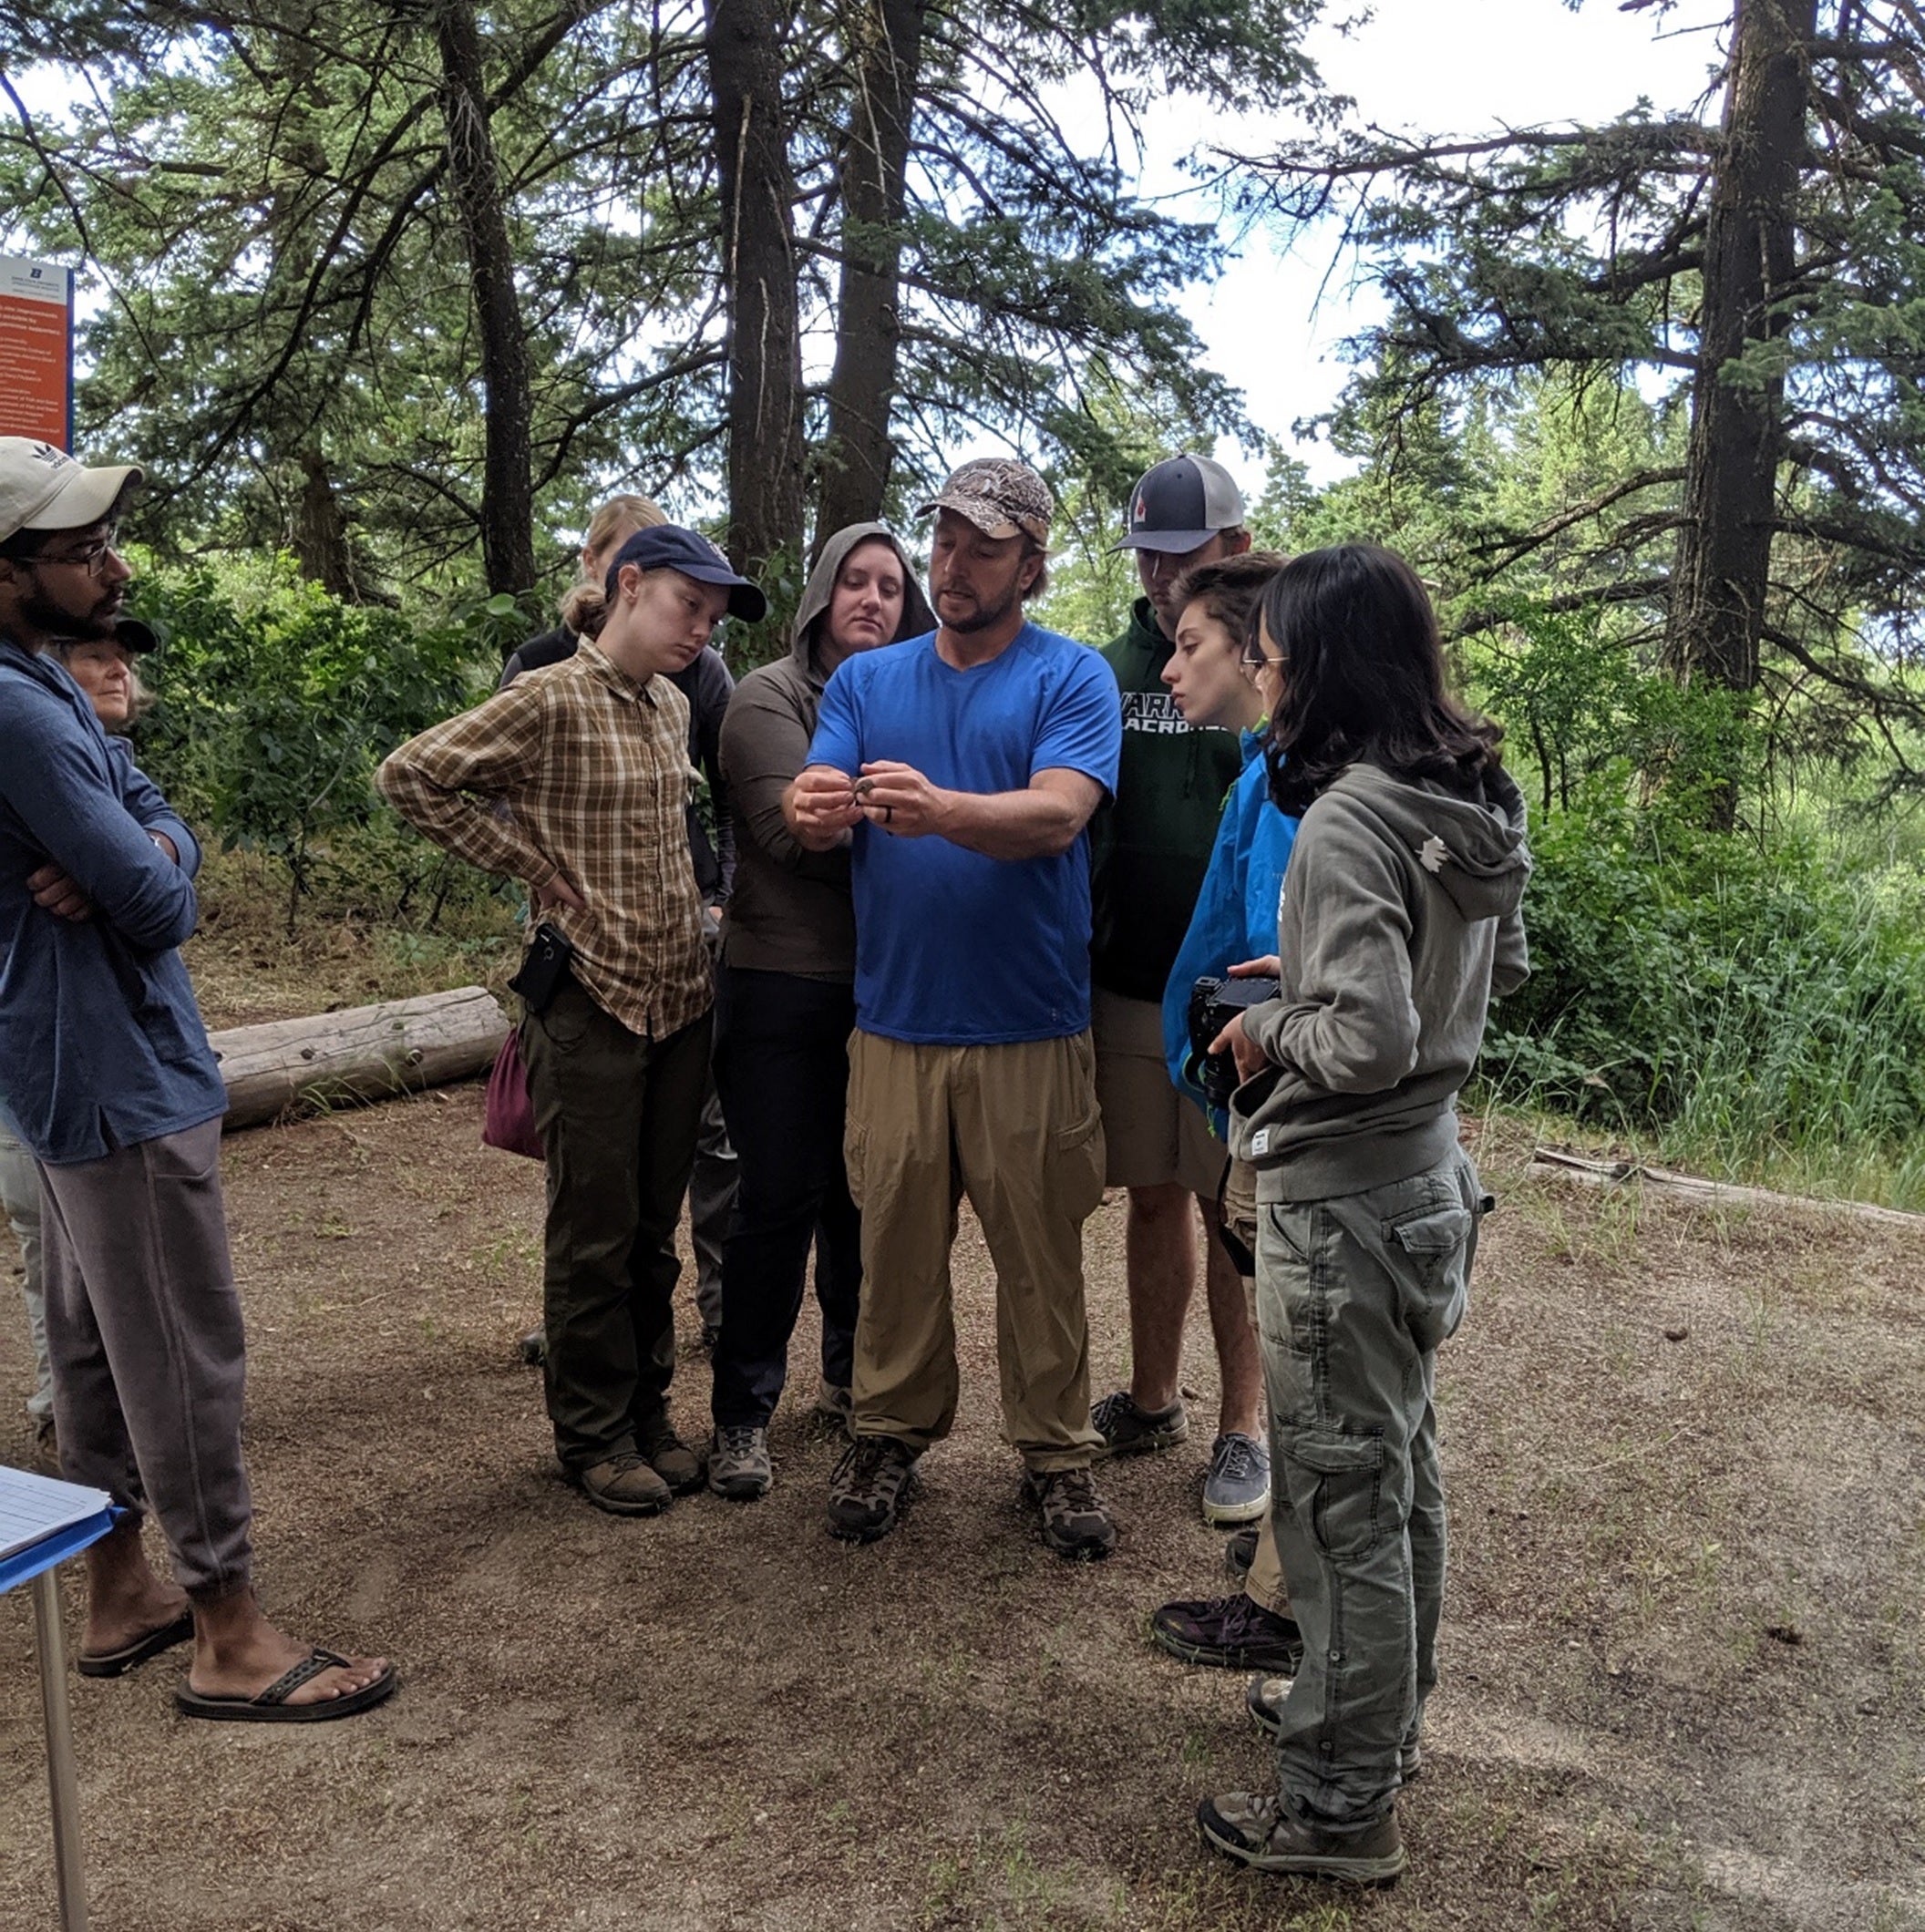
[{"x": 507, "y": 1120}]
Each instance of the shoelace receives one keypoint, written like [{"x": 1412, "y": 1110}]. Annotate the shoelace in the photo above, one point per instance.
[
  {"x": 1239, "y": 1460},
  {"x": 863, "y": 1462},
  {"x": 1075, "y": 1489},
  {"x": 737, "y": 1441}
]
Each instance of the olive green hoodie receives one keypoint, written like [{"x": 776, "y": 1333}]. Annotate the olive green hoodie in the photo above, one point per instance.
[
  {"x": 790, "y": 910},
  {"x": 1398, "y": 924}
]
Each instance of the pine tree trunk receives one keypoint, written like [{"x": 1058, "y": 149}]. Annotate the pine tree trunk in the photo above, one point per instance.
[
  {"x": 321, "y": 540},
  {"x": 1724, "y": 559},
  {"x": 887, "y": 36},
  {"x": 744, "y": 47},
  {"x": 507, "y": 551}
]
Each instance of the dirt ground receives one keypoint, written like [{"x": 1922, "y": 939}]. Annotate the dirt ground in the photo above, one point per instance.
[{"x": 1684, "y": 1672}]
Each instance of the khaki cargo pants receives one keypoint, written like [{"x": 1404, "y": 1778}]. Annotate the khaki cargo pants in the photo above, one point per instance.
[{"x": 1015, "y": 1128}]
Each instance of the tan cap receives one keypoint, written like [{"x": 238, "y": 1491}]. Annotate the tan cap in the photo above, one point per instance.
[
  {"x": 1001, "y": 496},
  {"x": 43, "y": 489}
]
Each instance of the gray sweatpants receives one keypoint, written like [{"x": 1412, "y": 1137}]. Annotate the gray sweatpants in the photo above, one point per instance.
[
  {"x": 20, "y": 1201},
  {"x": 143, "y": 1324},
  {"x": 1355, "y": 1294}
]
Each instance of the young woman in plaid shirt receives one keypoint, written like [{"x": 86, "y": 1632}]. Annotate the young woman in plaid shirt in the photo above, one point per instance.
[{"x": 590, "y": 755}]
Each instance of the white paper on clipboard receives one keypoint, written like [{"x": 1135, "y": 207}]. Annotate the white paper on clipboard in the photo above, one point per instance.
[{"x": 33, "y": 1508}]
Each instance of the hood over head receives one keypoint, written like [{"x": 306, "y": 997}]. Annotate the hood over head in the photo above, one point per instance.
[
  {"x": 1474, "y": 847},
  {"x": 916, "y": 617}
]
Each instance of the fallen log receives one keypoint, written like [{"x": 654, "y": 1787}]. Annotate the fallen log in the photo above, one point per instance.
[
  {"x": 366, "y": 1053},
  {"x": 1710, "y": 1193}
]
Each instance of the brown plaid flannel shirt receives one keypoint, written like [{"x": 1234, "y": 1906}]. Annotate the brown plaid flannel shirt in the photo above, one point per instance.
[{"x": 594, "y": 770}]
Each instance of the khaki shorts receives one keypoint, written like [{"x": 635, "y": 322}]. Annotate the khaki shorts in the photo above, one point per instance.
[{"x": 1156, "y": 1136}]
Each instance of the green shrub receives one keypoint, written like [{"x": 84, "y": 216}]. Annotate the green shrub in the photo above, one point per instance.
[
  {"x": 274, "y": 704},
  {"x": 1742, "y": 1004}
]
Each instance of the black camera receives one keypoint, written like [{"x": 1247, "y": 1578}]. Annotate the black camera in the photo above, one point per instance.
[{"x": 1213, "y": 1005}]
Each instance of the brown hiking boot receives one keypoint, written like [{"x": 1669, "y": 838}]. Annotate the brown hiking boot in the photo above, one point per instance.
[
  {"x": 624, "y": 1485},
  {"x": 669, "y": 1456},
  {"x": 1074, "y": 1523},
  {"x": 1253, "y": 1828}
]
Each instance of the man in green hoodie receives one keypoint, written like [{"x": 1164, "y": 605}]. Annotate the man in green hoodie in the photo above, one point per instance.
[{"x": 1153, "y": 846}]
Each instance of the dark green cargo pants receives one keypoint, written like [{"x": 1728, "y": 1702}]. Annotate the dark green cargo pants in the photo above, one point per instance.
[
  {"x": 1354, "y": 1296},
  {"x": 618, "y": 1115}
]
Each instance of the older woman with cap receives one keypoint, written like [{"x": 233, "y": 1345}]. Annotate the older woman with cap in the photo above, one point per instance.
[{"x": 591, "y": 756}]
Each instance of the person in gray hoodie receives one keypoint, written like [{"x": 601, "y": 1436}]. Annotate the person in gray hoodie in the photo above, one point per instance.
[
  {"x": 785, "y": 1007},
  {"x": 1397, "y": 923}
]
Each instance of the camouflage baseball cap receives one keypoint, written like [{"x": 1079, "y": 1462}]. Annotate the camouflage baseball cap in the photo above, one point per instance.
[{"x": 1001, "y": 496}]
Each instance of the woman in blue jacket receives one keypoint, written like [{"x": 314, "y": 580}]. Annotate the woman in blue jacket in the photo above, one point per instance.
[{"x": 1219, "y": 676}]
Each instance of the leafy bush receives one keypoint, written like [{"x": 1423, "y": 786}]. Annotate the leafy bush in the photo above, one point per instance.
[
  {"x": 1742, "y": 1003},
  {"x": 274, "y": 704}
]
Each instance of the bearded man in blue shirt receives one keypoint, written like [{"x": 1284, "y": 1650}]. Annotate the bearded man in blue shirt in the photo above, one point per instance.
[
  {"x": 107, "y": 1077},
  {"x": 963, "y": 767}
]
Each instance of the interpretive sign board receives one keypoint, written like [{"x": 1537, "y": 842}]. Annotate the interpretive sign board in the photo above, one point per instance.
[{"x": 36, "y": 350}]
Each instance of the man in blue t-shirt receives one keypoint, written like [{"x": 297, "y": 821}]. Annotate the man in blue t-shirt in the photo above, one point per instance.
[{"x": 963, "y": 767}]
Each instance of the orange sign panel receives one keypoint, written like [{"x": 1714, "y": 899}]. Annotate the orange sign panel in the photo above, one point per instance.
[{"x": 36, "y": 350}]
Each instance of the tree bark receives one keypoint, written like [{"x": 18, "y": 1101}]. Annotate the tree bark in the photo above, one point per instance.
[
  {"x": 743, "y": 48},
  {"x": 1724, "y": 558},
  {"x": 508, "y": 547},
  {"x": 887, "y": 37},
  {"x": 322, "y": 545}
]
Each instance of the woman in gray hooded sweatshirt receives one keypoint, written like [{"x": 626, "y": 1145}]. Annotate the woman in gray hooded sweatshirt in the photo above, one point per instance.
[
  {"x": 1397, "y": 923},
  {"x": 785, "y": 1007}
]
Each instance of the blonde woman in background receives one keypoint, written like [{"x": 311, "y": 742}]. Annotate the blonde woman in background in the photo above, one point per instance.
[{"x": 707, "y": 686}]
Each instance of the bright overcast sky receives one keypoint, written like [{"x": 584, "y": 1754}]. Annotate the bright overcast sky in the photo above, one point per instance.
[{"x": 1438, "y": 66}]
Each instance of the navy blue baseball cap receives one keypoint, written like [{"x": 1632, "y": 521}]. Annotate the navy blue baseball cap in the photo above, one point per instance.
[
  {"x": 669, "y": 547},
  {"x": 1179, "y": 505}
]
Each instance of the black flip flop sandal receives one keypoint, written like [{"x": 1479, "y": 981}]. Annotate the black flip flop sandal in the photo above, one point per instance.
[
  {"x": 117, "y": 1663},
  {"x": 272, "y": 1707}
]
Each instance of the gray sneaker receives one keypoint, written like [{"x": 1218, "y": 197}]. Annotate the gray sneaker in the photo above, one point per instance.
[
  {"x": 1074, "y": 1523},
  {"x": 738, "y": 1465},
  {"x": 1237, "y": 1489},
  {"x": 1264, "y": 1701},
  {"x": 1253, "y": 1828},
  {"x": 1127, "y": 1430}
]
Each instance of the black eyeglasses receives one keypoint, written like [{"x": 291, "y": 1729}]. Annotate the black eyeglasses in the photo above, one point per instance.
[{"x": 89, "y": 557}]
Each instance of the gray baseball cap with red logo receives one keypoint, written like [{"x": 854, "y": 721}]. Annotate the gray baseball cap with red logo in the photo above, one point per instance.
[{"x": 1179, "y": 505}]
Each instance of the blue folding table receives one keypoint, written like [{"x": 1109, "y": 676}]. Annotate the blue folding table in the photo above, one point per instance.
[{"x": 78, "y": 1517}]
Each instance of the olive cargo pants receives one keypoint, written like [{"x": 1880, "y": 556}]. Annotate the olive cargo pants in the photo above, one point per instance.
[
  {"x": 1354, "y": 1296},
  {"x": 618, "y": 1115},
  {"x": 1015, "y": 1127}
]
